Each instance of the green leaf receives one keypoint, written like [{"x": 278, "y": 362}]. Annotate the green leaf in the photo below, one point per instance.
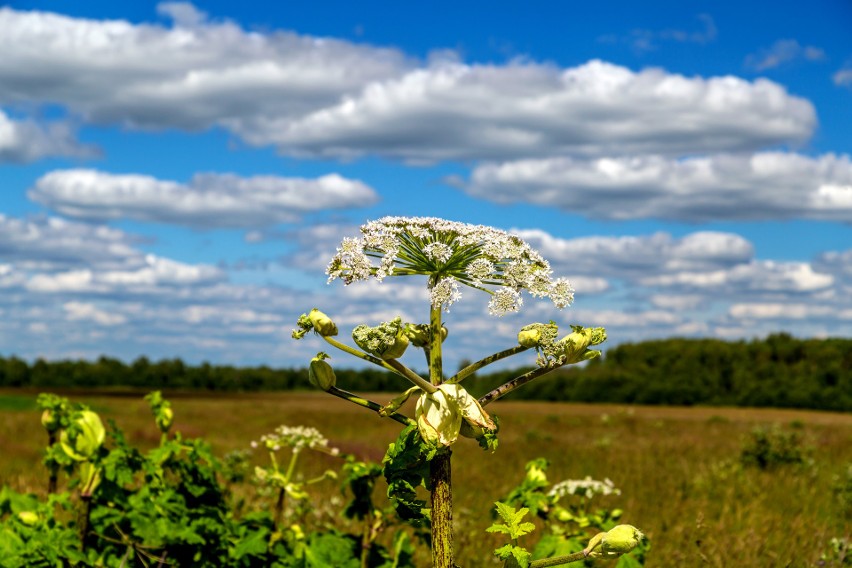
[
  {"x": 406, "y": 467},
  {"x": 512, "y": 517}
]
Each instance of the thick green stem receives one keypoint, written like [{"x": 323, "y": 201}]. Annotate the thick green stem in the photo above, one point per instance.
[
  {"x": 411, "y": 376},
  {"x": 366, "y": 403},
  {"x": 470, "y": 369},
  {"x": 398, "y": 368},
  {"x": 558, "y": 560},
  {"x": 279, "y": 509},
  {"x": 506, "y": 388},
  {"x": 83, "y": 520},
  {"x": 436, "y": 364},
  {"x": 279, "y": 504},
  {"x": 442, "y": 511},
  {"x": 439, "y": 468},
  {"x": 53, "y": 481},
  {"x": 366, "y": 542}
]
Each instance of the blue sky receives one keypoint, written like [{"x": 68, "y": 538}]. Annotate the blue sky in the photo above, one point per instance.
[{"x": 176, "y": 176}]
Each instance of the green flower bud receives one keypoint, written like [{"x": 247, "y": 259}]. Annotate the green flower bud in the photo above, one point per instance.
[
  {"x": 574, "y": 347},
  {"x": 615, "y": 542},
  {"x": 537, "y": 334},
  {"x": 84, "y": 437},
  {"x": 387, "y": 340},
  {"x": 50, "y": 421},
  {"x": 529, "y": 337},
  {"x": 164, "y": 418},
  {"x": 322, "y": 323},
  {"x": 29, "y": 518},
  {"x": 320, "y": 373},
  {"x": 419, "y": 334}
]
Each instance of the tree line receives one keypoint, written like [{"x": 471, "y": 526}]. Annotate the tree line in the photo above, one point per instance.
[{"x": 778, "y": 371}]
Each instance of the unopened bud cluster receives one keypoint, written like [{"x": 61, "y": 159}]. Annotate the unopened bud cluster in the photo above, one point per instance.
[
  {"x": 317, "y": 321},
  {"x": 573, "y": 348},
  {"x": 388, "y": 340},
  {"x": 613, "y": 543}
]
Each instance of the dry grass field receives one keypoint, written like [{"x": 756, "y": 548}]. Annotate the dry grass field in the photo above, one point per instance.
[{"x": 676, "y": 467}]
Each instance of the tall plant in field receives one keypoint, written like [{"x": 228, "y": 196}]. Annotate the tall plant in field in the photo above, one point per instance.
[{"x": 449, "y": 256}]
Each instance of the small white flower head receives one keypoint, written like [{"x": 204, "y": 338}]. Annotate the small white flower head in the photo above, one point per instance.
[
  {"x": 445, "y": 293},
  {"x": 561, "y": 293},
  {"x": 480, "y": 270},
  {"x": 296, "y": 437},
  {"x": 587, "y": 488},
  {"x": 438, "y": 252},
  {"x": 505, "y": 301},
  {"x": 449, "y": 253}
]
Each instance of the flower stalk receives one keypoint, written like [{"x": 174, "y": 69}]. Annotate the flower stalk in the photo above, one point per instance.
[
  {"x": 369, "y": 404},
  {"x": 508, "y": 387},
  {"x": 474, "y": 367},
  {"x": 398, "y": 368},
  {"x": 440, "y": 468}
]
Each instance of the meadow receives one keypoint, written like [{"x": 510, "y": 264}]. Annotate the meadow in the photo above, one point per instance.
[{"x": 678, "y": 467}]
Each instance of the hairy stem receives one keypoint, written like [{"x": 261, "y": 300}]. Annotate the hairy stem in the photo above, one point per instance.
[
  {"x": 440, "y": 480},
  {"x": 442, "y": 511},
  {"x": 558, "y": 560},
  {"x": 506, "y": 388},
  {"x": 369, "y": 404},
  {"x": 398, "y": 369},
  {"x": 474, "y": 367}
]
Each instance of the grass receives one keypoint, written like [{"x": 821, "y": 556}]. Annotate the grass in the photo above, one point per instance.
[{"x": 677, "y": 467}]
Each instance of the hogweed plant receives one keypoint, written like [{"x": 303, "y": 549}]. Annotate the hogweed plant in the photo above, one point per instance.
[
  {"x": 297, "y": 438},
  {"x": 451, "y": 256}
]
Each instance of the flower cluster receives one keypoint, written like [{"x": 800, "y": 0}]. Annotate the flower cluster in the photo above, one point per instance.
[
  {"x": 296, "y": 437},
  {"x": 587, "y": 488},
  {"x": 450, "y": 253}
]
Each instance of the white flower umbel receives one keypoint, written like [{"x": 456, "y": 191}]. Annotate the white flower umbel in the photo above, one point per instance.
[
  {"x": 450, "y": 253},
  {"x": 445, "y": 293},
  {"x": 296, "y": 437},
  {"x": 587, "y": 488}
]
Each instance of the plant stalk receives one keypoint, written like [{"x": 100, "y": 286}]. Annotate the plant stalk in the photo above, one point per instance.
[
  {"x": 53, "y": 481},
  {"x": 558, "y": 560},
  {"x": 474, "y": 367},
  {"x": 397, "y": 368},
  {"x": 374, "y": 406},
  {"x": 506, "y": 388},
  {"x": 440, "y": 479},
  {"x": 83, "y": 522}
]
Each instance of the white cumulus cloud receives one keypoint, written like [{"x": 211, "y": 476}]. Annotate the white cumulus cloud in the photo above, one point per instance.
[
  {"x": 764, "y": 185},
  {"x": 208, "y": 200},
  {"x": 27, "y": 140},
  {"x": 193, "y": 74},
  {"x": 457, "y": 111}
]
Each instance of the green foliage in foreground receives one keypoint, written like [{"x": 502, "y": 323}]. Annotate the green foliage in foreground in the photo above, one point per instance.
[
  {"x": 173, "y": 506},
  {"x": 779, "y": 371}
]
